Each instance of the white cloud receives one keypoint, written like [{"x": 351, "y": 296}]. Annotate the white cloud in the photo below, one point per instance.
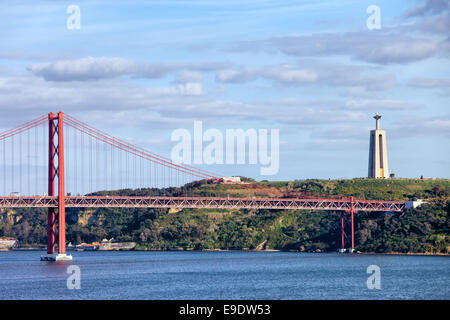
[
  {"x": 189, "y": 76},
  {"x": 290, "y": 74},
  {"x": 381, "y": 47},
  {"x": 429, "y": 83},
  {"x": 83, "y": 69},
  {"x": 381, "y": 105},
  {"x": 191, "y": 88},
  {"x": 105, "y": 68},
  {"x": 237, "y": 75},
  {"x": 423, "y": 126},
  {"x": 430, "y": 7},
  {"x": 311, "y": 72}
]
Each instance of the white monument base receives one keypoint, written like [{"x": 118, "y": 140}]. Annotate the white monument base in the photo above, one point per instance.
[
  {"x": 341, "y": 250},
  {"x": 57, "y": 257}
]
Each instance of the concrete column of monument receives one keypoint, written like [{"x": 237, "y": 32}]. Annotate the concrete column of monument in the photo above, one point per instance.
[{"x": 378, "y": 160}]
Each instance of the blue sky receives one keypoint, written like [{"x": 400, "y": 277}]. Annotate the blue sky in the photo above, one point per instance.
[{"x": 312, "y": 69}]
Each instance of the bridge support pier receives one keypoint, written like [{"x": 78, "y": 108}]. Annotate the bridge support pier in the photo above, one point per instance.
[
  {"x": 348, "y": 229},
  {"x": 56, "y": 149}
]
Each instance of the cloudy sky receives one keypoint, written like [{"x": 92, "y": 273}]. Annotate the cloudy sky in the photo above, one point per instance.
[{"x": 312, "y": 69}]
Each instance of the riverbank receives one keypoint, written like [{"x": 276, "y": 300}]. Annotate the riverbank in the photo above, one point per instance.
[
  {"x": 408, "y": 253},
  {"x": 28, "y": 248},
  {"x": 207, "y": 250},
  {"x": 42, "y": 248}
]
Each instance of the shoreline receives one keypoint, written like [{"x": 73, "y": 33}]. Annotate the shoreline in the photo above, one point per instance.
[
  {"x": 407, "y": 253},
  {"x": 244, "y": 250}
]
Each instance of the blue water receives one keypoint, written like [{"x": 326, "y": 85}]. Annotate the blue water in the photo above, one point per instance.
[{"x": 223, "y": 275}]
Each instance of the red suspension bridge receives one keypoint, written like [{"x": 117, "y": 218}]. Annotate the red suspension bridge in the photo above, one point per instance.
[{"x": 57, "y": 161}]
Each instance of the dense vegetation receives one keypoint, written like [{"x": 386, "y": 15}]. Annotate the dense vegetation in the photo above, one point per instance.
[{"x": 425, "y": 229}]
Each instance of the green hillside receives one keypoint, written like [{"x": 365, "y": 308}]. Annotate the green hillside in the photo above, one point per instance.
[{"x": 421, "y": 230}]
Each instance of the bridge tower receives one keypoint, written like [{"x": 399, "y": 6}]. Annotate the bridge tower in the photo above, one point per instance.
[
  {"x": 56, "y": 170},
  {"x": 348, "y": 228}
]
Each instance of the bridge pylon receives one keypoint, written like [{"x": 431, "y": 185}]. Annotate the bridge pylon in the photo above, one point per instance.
[
  {"x": 348, "y": 228},
  {"x": 56, "y": 170}
]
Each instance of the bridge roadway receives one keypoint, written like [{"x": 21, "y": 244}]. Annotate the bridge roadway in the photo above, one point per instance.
[{"x": 200, "y": 202}]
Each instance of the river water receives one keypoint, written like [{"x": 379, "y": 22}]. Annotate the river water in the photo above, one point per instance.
[{"x": 222, "y": 275}]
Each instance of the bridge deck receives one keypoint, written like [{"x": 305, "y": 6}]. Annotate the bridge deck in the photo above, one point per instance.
[{"x": 200, "y": 202}]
